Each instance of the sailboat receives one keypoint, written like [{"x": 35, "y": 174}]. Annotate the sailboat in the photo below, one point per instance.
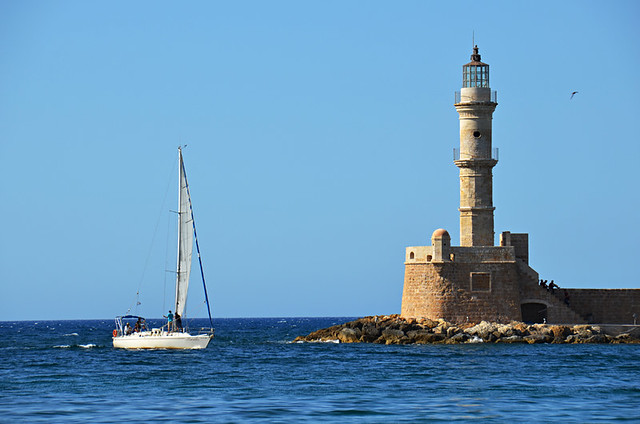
[{"x": 171, "y": 335}]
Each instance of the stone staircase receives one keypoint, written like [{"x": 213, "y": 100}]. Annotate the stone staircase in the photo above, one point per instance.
[
  {"x": 557, "y": 311},
  {"x": 525, "y": 270}
]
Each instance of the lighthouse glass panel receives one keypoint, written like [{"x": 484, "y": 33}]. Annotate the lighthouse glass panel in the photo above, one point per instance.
[{"x": 475, "y": 76}]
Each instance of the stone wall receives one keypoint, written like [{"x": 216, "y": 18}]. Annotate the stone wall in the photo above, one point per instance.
[
  {"x": 484, "y": 254},
  {"x": 445, "y": 290},
  {"x": 605, "y": 306},
  {"x": 520, "y": 242},
  {"x": 489, "y": 283},
  {"x": 423, "y": 254}
]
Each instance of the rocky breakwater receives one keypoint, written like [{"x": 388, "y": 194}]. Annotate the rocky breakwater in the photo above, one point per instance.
[{"x": 393, "y": 329}]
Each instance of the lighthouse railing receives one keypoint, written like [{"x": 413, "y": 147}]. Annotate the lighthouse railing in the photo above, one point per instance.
[
  {"x": 493, "y": 97},
  {"x": 495, "y": 154}
]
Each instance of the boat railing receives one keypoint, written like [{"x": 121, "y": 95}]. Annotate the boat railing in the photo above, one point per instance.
[
  {"x": 166, "y": 328},
  {"x": 205, "y": 330}
]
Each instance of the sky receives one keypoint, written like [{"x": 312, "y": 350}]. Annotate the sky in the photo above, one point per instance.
[{"x": 319, "y": 145}]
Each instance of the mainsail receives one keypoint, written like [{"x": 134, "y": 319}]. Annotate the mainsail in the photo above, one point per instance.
[{"x": 185, "y": 240}]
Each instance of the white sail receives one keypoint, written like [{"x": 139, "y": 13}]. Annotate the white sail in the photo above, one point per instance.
[{"x": 185, "y": 241}]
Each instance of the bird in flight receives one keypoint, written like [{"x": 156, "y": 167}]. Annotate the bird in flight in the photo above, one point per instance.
[{"x": 573, "y": 94}]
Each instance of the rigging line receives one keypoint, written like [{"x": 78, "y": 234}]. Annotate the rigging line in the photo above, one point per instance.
[
  {"x": 195, "y": 315},
  {"x": 166, "y": 265},
  {"x": 195, "y": 235},
  {"x": 153, "y": 238}
]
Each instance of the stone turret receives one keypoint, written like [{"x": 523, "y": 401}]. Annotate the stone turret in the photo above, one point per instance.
[{"x": 441, "y": 242}]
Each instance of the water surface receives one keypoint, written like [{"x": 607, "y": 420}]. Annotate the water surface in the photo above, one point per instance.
[{"x": 67, "y": 371}]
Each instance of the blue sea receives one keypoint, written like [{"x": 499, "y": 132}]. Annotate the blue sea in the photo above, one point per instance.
[{"x": 68, "y": 372}]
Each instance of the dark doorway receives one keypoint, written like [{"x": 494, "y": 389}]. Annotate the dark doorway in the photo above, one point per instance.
[{"x": 534, "y": 313}]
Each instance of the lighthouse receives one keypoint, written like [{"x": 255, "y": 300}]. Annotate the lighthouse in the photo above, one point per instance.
[
  {"x": 479, "y": 280},
  {"x": 475, "y": 104}
]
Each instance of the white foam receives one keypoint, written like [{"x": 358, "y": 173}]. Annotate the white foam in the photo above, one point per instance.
[
  {"x": 317, "y": 341},
  {"x": 71, "y": 334},
  {"x": 87, "y": 346},
  {"x": 62, "y": 346},
  {"x": 475, "y": 339}
]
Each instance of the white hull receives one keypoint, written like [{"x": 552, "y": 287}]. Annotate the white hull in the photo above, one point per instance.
[{"x": 146, "y": 340}]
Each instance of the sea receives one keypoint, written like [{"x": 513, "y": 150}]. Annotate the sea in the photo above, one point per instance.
[{"x": 252, "y": 372}]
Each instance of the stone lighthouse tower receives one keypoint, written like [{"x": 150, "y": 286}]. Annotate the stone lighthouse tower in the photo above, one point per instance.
[{"x": 475, "y": 104}]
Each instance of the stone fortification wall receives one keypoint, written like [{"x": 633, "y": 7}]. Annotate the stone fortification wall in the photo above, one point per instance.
[
  {"x": 425, "y": 254},
  {"x": 460, "y": 292},
  {"x": 476, "y": 283},
  {"x": 483, "y": 254},
  {"x": 610, "y": 306}
]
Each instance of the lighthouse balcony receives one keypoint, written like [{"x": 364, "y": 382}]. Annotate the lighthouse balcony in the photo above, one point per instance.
[
  {"x": 476, "y": 95},
  {"x": 467, "y": 156}
]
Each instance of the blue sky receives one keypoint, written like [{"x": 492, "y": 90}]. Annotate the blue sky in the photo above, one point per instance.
[{"x": 320, "y": 139}]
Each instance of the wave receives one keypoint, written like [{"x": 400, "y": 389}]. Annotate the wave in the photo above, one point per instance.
[
  {"x": 84, "y": 346},
  {"x": 70, "y": 334},
  {"x": 316, "y": 341}
]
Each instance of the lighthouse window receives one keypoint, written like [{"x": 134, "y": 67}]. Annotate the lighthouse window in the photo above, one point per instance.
[
  {"x": 412, "y": 255},
  {"x": 476, "y": 134},
  {"x": 475, "y": 76}
]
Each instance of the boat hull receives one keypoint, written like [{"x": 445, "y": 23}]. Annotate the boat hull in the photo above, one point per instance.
[{"x": 162, "y": 341}]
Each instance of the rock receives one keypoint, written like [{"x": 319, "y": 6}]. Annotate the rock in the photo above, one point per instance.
[
  {"x": 504, "y": 332},
  {"x": 458, "y": 338},
  {"x": 452, "y": 331},
  {"x": 482, "y": 330},
  {"x": 393, "y": 329},
  {"x": 520, "y": 328},
  {"x": 583, "y": 331},
  {"x": 348, "y": 335},
  {"x": 538, "y": 338},
  {"x": 560, "y": 331},
  {"x": 354, "y": 324},
  {"x": 426, "y": 322},
  {"x": 542, "y": 329},
  {"x": 622, "y": 338},
  {"x": 577, "y": 338},
  {"x": 392, "y": 336},
  {"x": 512, "y": 339},
  {"x": 409, "y": 327},
  {"x": 370, "y": 332},
  {"x": 324, "y": 334},
  {"x": 490, "y": 338},
  {"x": 584, "y": 334},
  {"x": 597, "y": 338},
  {"x": 439, "y": 330},
  {"x": 424, "y": 337}
]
